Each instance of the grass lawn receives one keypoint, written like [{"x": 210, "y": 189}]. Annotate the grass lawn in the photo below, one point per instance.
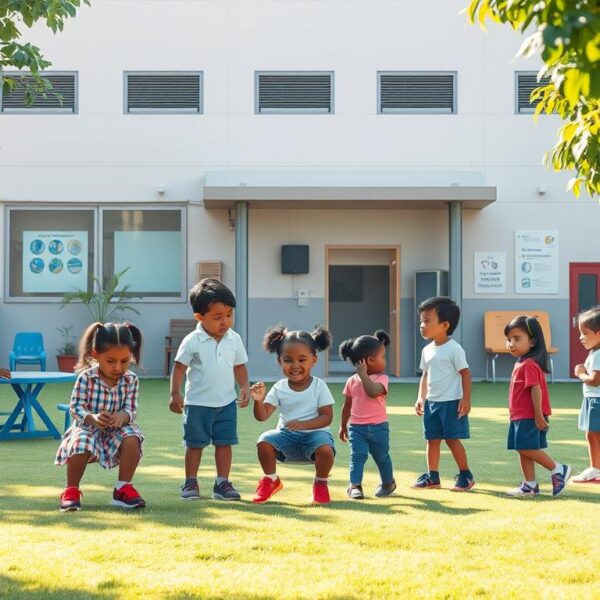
[{"x": 433, "y": 543}]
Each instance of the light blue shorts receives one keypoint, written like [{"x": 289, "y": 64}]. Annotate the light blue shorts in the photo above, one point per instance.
[
  {"x": 297, "y": 446},
  {"x": 589, "y": 415}
]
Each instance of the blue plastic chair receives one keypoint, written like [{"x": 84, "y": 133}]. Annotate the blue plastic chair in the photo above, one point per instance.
[{"x": 28, "y": 349}]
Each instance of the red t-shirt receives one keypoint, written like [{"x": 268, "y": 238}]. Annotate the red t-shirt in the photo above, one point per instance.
[{"x": 525, "y": 375}]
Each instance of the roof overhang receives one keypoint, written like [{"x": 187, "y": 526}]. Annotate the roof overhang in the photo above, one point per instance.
[{"x": 346, "y": 189}]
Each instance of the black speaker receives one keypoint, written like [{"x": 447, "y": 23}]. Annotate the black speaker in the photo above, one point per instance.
[{"x": 294, "y": 260}]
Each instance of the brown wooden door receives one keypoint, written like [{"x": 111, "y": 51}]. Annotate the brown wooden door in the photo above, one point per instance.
[{"x": 584, "y": 292}]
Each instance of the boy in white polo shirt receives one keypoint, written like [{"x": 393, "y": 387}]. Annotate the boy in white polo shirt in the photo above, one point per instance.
[
  {"x": 213, "y": 358},
  {"x": 444, "y": 398}
]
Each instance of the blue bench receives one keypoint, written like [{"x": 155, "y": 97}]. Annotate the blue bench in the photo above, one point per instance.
[{"x": 65, "y": 408}]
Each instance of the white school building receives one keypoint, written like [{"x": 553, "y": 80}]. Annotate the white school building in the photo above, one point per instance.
[{"x": 333, "y": 161}]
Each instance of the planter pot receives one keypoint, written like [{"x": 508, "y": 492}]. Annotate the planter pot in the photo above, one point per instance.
[{"x": 66, "y": 362}]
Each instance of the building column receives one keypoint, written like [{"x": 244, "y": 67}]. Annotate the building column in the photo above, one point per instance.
[
  {"x": 455, "y": 254},
  {"x": 241, "y": 270}
]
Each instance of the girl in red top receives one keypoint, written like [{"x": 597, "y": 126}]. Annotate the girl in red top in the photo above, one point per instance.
[{"x": 529, "y": 406}]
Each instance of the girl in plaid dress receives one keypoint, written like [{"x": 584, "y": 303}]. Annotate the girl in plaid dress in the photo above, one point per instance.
[{"x": 103, "y": 408}]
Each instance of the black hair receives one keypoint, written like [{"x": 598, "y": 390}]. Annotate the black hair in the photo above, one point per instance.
[
  {"x": 531, "y": 326},
  {"x": 360, "y": 348},
  {"x": 101, "y": 336},
  {"x": 277, "y": 336},
  {"x": 208, "y": 291},
  {"x": 590, "y": 318},
  {"x": 445, "y": 308}
]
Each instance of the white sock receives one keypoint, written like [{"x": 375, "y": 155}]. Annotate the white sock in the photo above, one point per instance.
[
  {"x": 120, "y": 484},
  {"x": 220, "y": 480},
  {"x": 271, "y": 476},
  {"x": 558, "y": 468},
  {"x": 321, "y": 479},
  {"x": 531, "y": 484}
]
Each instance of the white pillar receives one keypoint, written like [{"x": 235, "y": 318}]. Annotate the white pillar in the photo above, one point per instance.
[
  {"x": 456, "y": 261},
  {"x": 241, "y": 270}
]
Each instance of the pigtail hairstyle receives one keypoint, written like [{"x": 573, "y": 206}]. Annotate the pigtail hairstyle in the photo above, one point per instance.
[
  {"x": 531, "y": 326},
  {"x": 100, "y": 337},
  {"x": 275, "y": 337},
  {"x": 360, "y": 348}
]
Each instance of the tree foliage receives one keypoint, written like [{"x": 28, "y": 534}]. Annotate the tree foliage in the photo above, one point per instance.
[
  {"x": 566, "y": 34},
  {"x": 18, "y": 54}
]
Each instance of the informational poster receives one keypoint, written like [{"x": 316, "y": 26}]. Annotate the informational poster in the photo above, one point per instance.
[
  {"x": 54, "y": 261},
  {"x": 153, "y": 260},
  {"x": 490, "y": 273},
  {"x": 536, "y": 262}
]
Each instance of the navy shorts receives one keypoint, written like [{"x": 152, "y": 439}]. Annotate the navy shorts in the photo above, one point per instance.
[
  {"x": 589, "y": 415},
  {"x": 203, "y": 425},
  {"x": 297, "y": 446},
  {"x": 524, "y": 435},
  {"x": 441, "y": 421}
]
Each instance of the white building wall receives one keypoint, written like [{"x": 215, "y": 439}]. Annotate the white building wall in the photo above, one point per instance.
[{"x": 102, "y": 156}]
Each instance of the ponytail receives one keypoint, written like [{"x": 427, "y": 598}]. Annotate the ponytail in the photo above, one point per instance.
[
  {"x": 356, "y": 349},
  {"x": 275, "y": 337}
]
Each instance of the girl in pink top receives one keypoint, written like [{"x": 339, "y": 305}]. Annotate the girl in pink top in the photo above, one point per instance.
[{"x": 364, "y": 420}]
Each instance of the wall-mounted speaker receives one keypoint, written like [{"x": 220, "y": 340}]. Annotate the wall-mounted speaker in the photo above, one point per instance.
[{"x": 294, "y": 259}]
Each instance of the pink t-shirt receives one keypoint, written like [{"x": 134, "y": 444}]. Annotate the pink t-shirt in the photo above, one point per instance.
[{"x": 366, "y": 410}]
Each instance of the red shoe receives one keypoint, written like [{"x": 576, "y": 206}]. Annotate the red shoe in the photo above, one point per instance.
[
  {"x": 70, "y": 499},
  {"x": 127, "y": 497},
  {"x": 266, "y": 488},
  {"x": 321, "y": 493}
]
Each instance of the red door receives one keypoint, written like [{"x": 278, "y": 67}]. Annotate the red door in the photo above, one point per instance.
[{"x": 584, "y": 292}]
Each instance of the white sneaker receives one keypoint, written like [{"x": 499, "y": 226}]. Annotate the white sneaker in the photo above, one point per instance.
[
  {"x": 589, "y": 475},
  {"x": 524, "y": 490}
]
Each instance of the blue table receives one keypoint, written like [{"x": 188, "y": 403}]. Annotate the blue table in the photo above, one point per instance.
[{"x": 27, "y": 386}]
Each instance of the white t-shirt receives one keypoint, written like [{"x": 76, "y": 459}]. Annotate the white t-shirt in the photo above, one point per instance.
[
  {"x": 210, "y": 380},
  {"x": 299, "y": 406},
  {"x": 592, "y": 363},
  {"x": 442, "y": 365}
]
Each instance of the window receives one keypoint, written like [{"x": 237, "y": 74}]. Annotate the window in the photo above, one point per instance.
[
  {"x": 55, "y": 250},
  {"x": 525, "y": 83},
  {"x": 163, "y": 92},
  {"x": 412, "y": 92},
  {"x": 62, "y": 98},
  {"x": 293, "y": 92}
]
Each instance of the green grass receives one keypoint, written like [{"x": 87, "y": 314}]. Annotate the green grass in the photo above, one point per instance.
[{"x": 432, "y": 543}]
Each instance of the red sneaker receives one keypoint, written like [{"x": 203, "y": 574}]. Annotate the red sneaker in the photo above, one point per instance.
[
  {"x": 127, "y": 497},
  {"x": 266, "y": 488},
  {"x": 321, "y": 493},
  {"x": 70, "y": 499}
]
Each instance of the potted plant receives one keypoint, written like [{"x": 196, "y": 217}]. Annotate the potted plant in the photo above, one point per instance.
[
  {"x": 105, "y": 302},
  {"x": 67, "y": 353}
]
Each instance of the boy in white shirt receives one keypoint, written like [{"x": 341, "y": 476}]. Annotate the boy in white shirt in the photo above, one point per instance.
[
  {"x": 213, "y": 358},
  {"x": 444, "y": 398}
]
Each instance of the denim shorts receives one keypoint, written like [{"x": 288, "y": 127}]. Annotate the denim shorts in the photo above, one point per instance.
[
  {"x": 441, "y": 421},
  {"x": 589, "y": 415},
  {"x": 524, "y": 435},
  {"x": 297, "y": 446},
  {"x": 203, "y": 425}
]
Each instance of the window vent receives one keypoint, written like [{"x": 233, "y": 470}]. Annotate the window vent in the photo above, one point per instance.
[
  {"x": 210, "y": 268},
  {"x": 412, "y": 92},
  {"x": 291, "y": 92},
  {"x": 525, "y": 83},
  {"x": 62, "y": 98},
  {"x": 163, "y": 92}
]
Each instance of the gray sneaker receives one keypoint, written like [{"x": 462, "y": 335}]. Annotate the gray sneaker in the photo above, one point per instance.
[
  {"x": 355, "y": 492},
  {"x": 190, "y": 492},
  {"x": 225, "y": 491},
  {"x": 385, "y": 489}
]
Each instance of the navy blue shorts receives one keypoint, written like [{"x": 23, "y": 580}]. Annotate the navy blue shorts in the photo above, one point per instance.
[
  {"x": 524, "y": 435},
  {"x": 589, "y": 415},
  {"x": 297, "y": 446},
  {"x": 203, "y": 425},
  {"x": 441, "y": 421}
]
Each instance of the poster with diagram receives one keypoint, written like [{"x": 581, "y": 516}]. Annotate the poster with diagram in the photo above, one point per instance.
[
  {"x": 54, "y": 261},
  {"x": 536, "y": 262},
  {"x": 490, "y": 272}
]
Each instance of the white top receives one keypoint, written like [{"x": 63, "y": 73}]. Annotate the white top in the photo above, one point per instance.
[
  {"x": 442, "y": 365},
  {"x": 592, "y": 363},
  {"x": 210, "y": 380},
  {"x": 299, "y": 406}
]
